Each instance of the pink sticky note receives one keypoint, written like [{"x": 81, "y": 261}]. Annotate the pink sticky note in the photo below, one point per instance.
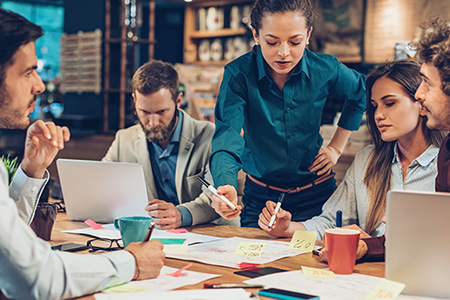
[
  {"x": 248, "y": 266},
  {"x": 93, "y": 224},
  {"x": 179, "y": 230},
  {"x": 178, "y": 272}
]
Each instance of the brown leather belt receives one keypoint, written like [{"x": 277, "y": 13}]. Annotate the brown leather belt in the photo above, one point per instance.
[{"x": 321, "y": 179}]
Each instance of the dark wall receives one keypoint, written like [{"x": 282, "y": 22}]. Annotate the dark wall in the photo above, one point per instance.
[
  {"x": 169, "y": 32},
  {"x": 83, "y": 112}
]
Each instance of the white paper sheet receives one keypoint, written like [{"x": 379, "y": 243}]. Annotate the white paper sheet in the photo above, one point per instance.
[
  {"x": 162, "y": 283},
  {"x": 207, "y": 294},
  {"x": 110, "y": 232},
  {"x": 343, "y": 287},
  {"x": 221, "y": 252}
]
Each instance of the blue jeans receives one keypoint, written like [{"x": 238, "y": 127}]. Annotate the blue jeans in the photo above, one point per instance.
[{"x": 302, "y": 205}]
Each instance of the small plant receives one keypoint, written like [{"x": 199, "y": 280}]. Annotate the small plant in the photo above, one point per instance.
[{"x": 11, "y": 166}]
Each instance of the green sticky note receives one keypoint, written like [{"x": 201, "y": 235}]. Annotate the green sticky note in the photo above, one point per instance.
[{"x": 170, "y": 241}]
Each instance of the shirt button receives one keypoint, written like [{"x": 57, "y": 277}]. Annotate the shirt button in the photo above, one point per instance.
[
  {"x": 34, "y": 189},
  {"x": 290, "y": 135},
  {"x": 288, "y": 109}
]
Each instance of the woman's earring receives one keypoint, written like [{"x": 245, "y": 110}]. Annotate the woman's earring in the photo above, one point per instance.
[{"x": 307, "y": 43}]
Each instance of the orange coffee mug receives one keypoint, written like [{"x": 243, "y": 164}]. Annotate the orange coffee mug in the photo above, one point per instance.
[{"x": 341, "y": 245}]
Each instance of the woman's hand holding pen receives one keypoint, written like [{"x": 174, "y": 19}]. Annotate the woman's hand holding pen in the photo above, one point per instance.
[
  {"x": 221, "y": 207},
  {"x": 282, "y": 224},
  {"x": 325, "y": 159}
]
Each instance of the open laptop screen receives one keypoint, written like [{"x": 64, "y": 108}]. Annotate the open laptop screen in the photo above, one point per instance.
[
  {"x": 102, "y": 191},
  {"x": 418, "y": 242}
]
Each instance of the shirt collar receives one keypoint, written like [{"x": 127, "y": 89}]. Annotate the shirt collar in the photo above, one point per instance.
[
  {"x": 423, "y": 160},
  {"x": 302, "y": 66},
  {"x": 177, "y": 132}
]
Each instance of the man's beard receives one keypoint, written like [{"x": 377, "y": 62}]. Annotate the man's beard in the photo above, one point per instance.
[
  {"x": 11, "y": 119},
  {"x": 159, "y": 134}
]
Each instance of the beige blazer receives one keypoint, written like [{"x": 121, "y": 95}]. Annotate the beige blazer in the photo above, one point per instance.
[{"x": 130, "y": 145}]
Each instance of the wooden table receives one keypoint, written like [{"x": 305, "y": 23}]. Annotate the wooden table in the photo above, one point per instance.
[{"x": 227, "y": 274}]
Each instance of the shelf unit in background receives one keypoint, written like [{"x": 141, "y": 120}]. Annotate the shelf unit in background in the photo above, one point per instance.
[
  {"x": 129, "y": 44},
  {"x": 193, "y": 36}
]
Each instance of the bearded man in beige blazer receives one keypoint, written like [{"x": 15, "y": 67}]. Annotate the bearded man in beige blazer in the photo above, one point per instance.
[{"x": 172, "y": 147}]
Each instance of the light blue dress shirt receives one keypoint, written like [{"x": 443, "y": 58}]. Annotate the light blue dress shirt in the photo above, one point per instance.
[
  {"x": 351, "y": 197},
  {"x": 164, "y": 164},
  {"x": 30, "y": 269}
]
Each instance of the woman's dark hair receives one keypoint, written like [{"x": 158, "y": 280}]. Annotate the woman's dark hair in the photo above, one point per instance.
[
  {"x": 379, "y": 170},
  {"x": 263, "y": 7},
  {"x": 15, "y": 31}
]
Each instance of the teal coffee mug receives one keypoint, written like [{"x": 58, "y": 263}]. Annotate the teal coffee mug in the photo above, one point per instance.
[{"x": 132, "y": 229}]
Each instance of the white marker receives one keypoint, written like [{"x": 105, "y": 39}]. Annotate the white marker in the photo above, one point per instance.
[
  {"x": 277, "y": 209},
  {"x": 214, "y": 191}
]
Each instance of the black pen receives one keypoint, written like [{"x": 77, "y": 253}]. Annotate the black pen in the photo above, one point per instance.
[
  {"x": 207, "y": 285},
  {"x": 149, "y": 232},
  {"x": 214, "y": 191},
  {"x": 339, "y": 218}
]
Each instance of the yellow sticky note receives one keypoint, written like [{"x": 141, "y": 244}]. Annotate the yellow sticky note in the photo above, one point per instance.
[
  {"x": 386, "y": 290},
  {"x": 303, "y": 240},
  {"x": 126, "y": 288},
  {"x": 317, "y": 273},
  {"x": 249, "y": 249}
]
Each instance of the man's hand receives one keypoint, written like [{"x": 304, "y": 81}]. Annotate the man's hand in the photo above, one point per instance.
[
  {"x": 42, "y": 143},
  {"x": 149, "y": 258},
  {"x": 165, "y": 215},
  {"x": 282, "y": 222},
  {"x": 326, "y": 158},
  {"x": 221, "y": 207}
]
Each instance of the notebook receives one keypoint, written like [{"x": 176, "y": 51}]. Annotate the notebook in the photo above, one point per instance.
[
  {"x": 418, "y": 242},
  {"x": 102, "y": 191}
]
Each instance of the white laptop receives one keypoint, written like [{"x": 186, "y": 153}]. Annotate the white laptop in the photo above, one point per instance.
[
  {"x": 102, "y": 191},
  {"x": 418, "y": 242}
]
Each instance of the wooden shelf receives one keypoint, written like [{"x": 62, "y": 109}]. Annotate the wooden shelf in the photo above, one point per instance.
[
  {"x": 192, "y": 37},
  {"x": 139, "y": 41},
  {"x": 125, "y": 61},
  {"x": 350, "y": 59},
  {"x": 210, "y": 63},
  {"x": 217, "y": 33}
]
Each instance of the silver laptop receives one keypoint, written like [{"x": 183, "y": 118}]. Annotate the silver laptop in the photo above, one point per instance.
[
  {"x": 418, "y": 242},
  {"x": 102, "y": 191}
]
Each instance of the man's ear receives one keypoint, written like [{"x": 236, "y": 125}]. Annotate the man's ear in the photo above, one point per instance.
[
  {"x": 178, "y": 101},
  {"x": 134, "y": 97}
]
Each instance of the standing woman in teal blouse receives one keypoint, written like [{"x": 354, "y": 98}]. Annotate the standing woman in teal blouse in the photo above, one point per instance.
[{"x": 276, "y": 94}]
